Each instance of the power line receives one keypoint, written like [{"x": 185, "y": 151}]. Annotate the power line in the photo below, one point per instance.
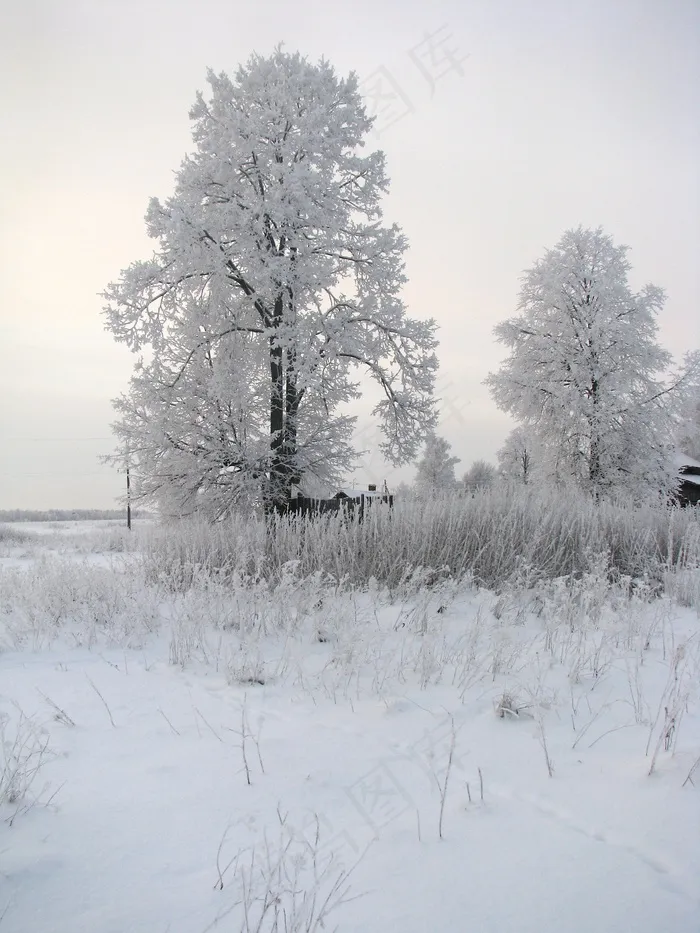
[
  {"x": 66, "y": 438},
  {"x": 66, "y": 475}
]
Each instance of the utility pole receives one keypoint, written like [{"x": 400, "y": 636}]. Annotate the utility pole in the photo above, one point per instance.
[{"x": 128, "y": 498}]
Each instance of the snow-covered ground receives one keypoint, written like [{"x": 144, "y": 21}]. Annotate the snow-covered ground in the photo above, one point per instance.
[
  {"x": 436, "y": 760},
  {"x": 96, "y": 542}
]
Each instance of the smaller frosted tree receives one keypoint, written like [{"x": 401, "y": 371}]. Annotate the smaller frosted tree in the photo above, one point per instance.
[
  {"x": 436, "y": 469},
  {"x": 404, "y": 493},
  {"x": 585, "y": 372},
  {"x": 480, "y": 475},
  {"x": 518, "y": 458}
]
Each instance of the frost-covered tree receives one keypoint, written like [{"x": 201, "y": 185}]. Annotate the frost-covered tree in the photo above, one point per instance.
[
  {"x": 518, "y": 457},
  {"x": 689, "y": 431},
  {"x": 480, "y": 475},
  {"x": 404, "y": 492},
  {"x": 274, "y": 283},
  {"x": 435, "y": 474},
  {"x": 585, "y": 371}
]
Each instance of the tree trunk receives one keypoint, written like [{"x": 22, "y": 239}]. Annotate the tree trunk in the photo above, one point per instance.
[
  {"x": 594, "y": 465},
  {"x": 274, "y": 493},
  {"x": 292, "y": 395},
  {"x": 291, "y": 401}
]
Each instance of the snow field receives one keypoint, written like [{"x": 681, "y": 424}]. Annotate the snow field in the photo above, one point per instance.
[{"x": 274, "y": 758}]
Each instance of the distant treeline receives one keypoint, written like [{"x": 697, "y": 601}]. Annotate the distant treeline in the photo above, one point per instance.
[{"x": 67, "y": 515}]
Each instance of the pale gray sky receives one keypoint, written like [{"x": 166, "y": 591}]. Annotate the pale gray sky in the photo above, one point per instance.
[{"x": 563, "y": 113}]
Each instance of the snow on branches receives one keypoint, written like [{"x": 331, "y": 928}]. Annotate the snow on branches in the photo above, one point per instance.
[
  {"x": 273, "y": 285},
  {"x": 435, "y": 473},
  {"x": 585, "y": 370}
]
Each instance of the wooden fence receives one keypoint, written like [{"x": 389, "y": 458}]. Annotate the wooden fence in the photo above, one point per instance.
[{"x": 306, "y": 505}]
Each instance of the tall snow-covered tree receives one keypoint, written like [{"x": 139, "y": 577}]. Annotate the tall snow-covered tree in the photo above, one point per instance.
[
  {"x": 435, "y": 474},
  {"x": 585, "y": 370},
  {"x": 274, "y": 283}
]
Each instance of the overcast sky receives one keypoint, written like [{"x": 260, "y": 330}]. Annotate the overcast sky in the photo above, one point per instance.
[{"x": 506, "y": 123}]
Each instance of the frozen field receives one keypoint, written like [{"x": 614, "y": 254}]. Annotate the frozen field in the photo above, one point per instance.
[{"x": 311, "y": 758}]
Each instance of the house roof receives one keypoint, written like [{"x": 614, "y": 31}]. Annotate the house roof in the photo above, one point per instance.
[{"x": 682, "y": 460}]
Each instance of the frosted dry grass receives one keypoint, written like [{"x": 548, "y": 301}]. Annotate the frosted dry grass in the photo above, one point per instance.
[
  {"x": 107, "y": 537},
  {"x": 683, "y": 586},
  {"x": 493, "y": 537},
  {"x": 557, "y": 643},
  {"x": 285, "y": 886},
  {"x": 64, "y": 599},
  {"x": 24, "y": 749},
  {"x": 339, "y": 578},
  {"x": 11, "y": 535},
  {"x": 247, "y": 627},
  {"x": 574, "y": 662},
  {"x": 16, "y": 543},
  {"x": 182, "y": 553},
  {"x": 218, "y": 602},
  {"x": 103, "y": 538}
]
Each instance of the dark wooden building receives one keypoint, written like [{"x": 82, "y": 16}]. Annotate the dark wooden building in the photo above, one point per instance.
[
  {"x": 350, "y": 501},
  {"x": 689, "y": 470}
]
